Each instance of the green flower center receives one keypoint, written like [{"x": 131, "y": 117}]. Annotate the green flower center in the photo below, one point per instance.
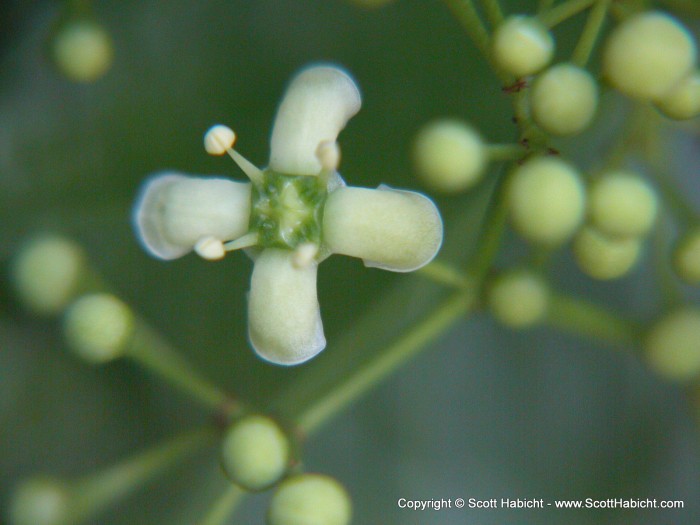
[{"x": 287, "y": 210}]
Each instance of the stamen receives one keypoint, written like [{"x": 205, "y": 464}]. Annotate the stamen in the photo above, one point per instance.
[
  {"x": 219, "y": 140},
  {"x": 304, "y": 255},
  {"x": 254, "y": 173},
  {"x": 246, "y": 241},
  {"x": 210, "y": 248},
  {"x": 328, "y": 154}
]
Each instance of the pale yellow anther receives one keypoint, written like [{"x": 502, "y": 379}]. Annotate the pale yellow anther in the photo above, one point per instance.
[
  {"x": 304, "y": 255},
  {"x": 328, "y": 154},
  {"x": 219, "y": 139},
  {"x": 210, "y": 248}
]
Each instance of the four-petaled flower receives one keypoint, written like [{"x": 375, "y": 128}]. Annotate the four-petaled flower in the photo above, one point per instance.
[{"x": 290, "y": 216}]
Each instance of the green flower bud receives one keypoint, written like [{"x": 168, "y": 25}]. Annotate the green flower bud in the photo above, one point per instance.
[
  {"x": 450, "y": 156},
  {"x": 46, "y": 272},
  {"x": 602, "y": 257},
  {"x": 82, "y": 50},
  {"x": 522, "y": 45},
  {"x": 98, "y": 327},
  {"x": 648, "y": 54},
  {"x": 519, "y": 298},
  {"x": 673, "y": 345},
  {"x": 41, "y": 501},
  {"x": 255, "y": 452},
  {"x": 683, "y": 101},
  {"x": 307, "y": 499},
  {"x": 564, "y": 99},
  {"x": 547, "y": 200},
  {"x": 686, "y": 257},
  {"x": 622, "y": 204}
]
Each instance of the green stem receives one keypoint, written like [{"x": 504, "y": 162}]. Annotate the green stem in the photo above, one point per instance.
[
  {"x": 388, "y": 361},
  {"x": 96, "y": 492},
  {"x": 591, "y": 32},
  {"x": 492, "y": 233},
  {"x": 446, "y": 274},
  {"x": 153, "y": 353},
  {"x": 586, "y": 319},
  {"x": 466, "y": 14},
  {"x": 505, "y": 152},
  {"x": 494, "y": 13},
  {"x": 562, "y": 12},
  {"x": 223, "y": 507}
]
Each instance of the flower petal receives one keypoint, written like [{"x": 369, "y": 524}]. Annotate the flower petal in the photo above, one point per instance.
[
  {"x": 174, "y": 211},
  {"x": 317, "y": 105},
  {"x": 284, "y": 320},
  {"x": 390, "y": 229}
]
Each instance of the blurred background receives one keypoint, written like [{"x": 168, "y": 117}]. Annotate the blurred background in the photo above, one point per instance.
[{"x": 484, "y": 413}]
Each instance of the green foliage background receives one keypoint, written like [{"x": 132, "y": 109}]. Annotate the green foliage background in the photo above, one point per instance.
[{"x": 484, "y": 413}]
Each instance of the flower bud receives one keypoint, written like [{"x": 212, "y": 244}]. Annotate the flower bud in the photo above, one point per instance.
[
  {"x": 673, "y": 345},
  {"x": 547, "y": 200},
  {"x": 46, "y": 272},
  {"x": 522, "y": 45},
  {"x": 648, "y": 54},
  {"x": 41, "y": 501},
  {"x": 98, "y": 327},
  {"x": 683, "y": 101},
  {"x": 82, "y": 50},
  {"x": 564, "y": 99},
  {"x": 602, "y": 257},
  {"x": 255, "y": 452},
  {"x": 449, "y": 155},
  {"x": 310, "y": 498},
  {"x": 686, "y": 257},
  {"x": 622, "y": 204},
  {"x": 519, "y": 298}
]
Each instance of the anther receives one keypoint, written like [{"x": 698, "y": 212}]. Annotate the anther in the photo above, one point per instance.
[
  {"x": 328, "y": 154},
  {"x": 210, "y": 248},
  {"x": 219, "y": 140},
  {"x": 304, "y": 255}
]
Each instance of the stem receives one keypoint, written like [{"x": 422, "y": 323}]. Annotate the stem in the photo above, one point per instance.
[
  {"x": 466, "y": 14},
  {"x": 492, "y": 233},
  {"x": 97, "y": 491},
  {"x": 505, "y": 152},
  {"x": 152, "y": 352},
  {"x": 388, "y": 361},
  {"x": 586, "y": 319},
  {"x": 224, "y": 506},
  {"x": 494, "y": 13},
  {"x": 562, "y": 12},
  {"x": 590, "y": 34},
  {"x": 446, "y": 274}
]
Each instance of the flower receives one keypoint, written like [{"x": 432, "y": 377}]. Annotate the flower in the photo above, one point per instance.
[{"x": 290, "y": 216}]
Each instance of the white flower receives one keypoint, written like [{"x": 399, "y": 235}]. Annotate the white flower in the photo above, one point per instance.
[{"x": 291, "y": 216}]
